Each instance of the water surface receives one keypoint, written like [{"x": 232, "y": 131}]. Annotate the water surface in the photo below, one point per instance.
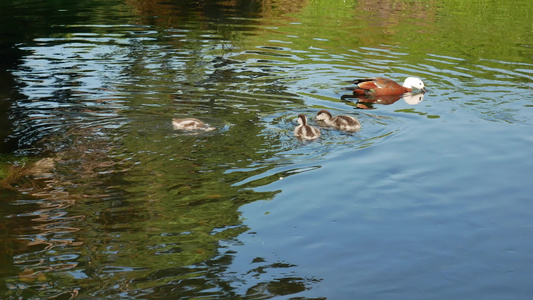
[{"x": 102, "y": 198}]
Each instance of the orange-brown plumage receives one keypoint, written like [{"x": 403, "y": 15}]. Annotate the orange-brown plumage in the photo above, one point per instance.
[{"x": 381, "y": 86}]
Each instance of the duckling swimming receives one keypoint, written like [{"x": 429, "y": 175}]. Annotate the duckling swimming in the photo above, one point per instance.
[
  {"x": 304, "y": 131},
  {"x": 190, "y": 124},
  {"x": 342, "y": 122}
]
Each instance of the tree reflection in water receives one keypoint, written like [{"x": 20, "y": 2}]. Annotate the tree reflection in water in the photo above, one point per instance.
[{"x": 120, "y": 203}]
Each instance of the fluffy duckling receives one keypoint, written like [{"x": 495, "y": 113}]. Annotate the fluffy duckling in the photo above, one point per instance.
[
  {"x": 342, "y": 122},
  {"x": 304, "y": 131},
  {"x": 190, "y": 124}
]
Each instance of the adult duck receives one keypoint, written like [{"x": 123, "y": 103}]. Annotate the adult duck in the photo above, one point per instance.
[
  {"x": 381, "y": 86},
  {"x": 304, "y": 131},
  {"x": 342, "y": 122}
]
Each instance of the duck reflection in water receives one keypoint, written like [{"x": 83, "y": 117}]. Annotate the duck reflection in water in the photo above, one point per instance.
[{"x": 367, "y": 102}]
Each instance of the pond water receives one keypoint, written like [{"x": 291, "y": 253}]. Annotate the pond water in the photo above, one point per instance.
[{"x": 101, "y": 197}]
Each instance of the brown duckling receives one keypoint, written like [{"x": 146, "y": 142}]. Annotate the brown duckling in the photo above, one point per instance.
[
  {"x": 342, "y": 122},
  {"x": 304, "y": 131},
  {"x": 190, "y": 124}
]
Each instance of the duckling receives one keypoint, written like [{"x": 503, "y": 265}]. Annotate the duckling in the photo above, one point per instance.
[
  {"x": 304, "y": 131},
  {"x": 190, "y": 124},
  {"x": 342, "y": 122}
]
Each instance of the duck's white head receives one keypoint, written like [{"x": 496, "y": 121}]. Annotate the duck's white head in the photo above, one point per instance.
[{"x": 414, "y": 83}]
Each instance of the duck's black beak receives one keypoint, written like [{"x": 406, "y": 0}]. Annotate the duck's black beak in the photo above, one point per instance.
[{"x": 424, "y": 90}]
